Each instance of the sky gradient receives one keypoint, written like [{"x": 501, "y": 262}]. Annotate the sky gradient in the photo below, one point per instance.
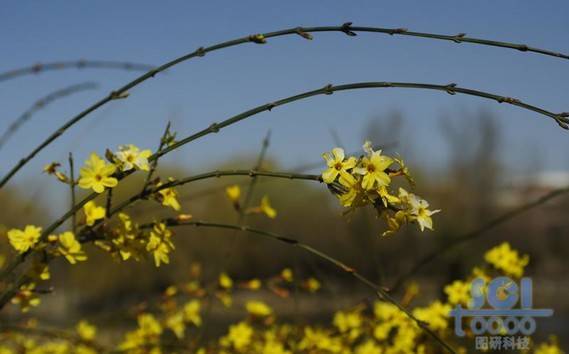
[{"x": 196, "y": 93}]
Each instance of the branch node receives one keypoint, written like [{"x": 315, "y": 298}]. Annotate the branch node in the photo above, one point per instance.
[
  {"x": 450, "y": 88},
  {"x": 257, "y": 38},
  {"x": 458, "y": 38},
  {"x": 509, "y": 100},
  {"x": 328, "y": 89},
  {"x": 118, "y": 95},
  {"x": 252, "y": 173},
  {"x": 398, "y": 31},
  {"x": 300, "y": 32},
  {"x": 200, "y": 52},
  {"x": 37, "y": 68},
  {"x": 214, "y": 128},
  {"x": 270, "y": 106},
  {"x": 523, "y": 48},
  {"x": 346, "y": 29}
]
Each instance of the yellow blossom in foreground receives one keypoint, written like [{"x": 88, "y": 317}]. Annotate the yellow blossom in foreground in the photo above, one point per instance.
[
  {"x": 169, "y": 198},
  {"x": 225, "y": 281},
  {"x": 369, "y": 347},
  {"x": 504, "y": 258},
  {"x": 267, "y": 208},
  {"x": 131, "y": 157},
  {"x": 93, "y": 213},
  {"x": 160, "y": 244},
  {"x": 258, "y": 308},
  {"x": 96, "y": 174},
  {"x": 233, "y": 192},
  {"x": 337, "y": 166},
  {"x": 70, "y": 248},
  {"x": 318, "y": 340},
  {"x": 176, "y": 323},
  {"x": 348, "y": 322},
  {"x": 86, "y": 330},
  {"x": 550, "y": 347},
  {"x": 23, "y": 240},
  {"x": 373, "y": 170}
]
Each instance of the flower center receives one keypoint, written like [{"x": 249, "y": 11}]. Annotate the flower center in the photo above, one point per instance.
[
  {"x": 338, "y": 166},
  {"x": 370, "y": 168},
  {"x": 98, "y": 178},
  {"x": 130, "y": 158}
]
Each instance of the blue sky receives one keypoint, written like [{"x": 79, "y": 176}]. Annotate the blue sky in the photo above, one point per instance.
[{"x": 197, "y": 93}]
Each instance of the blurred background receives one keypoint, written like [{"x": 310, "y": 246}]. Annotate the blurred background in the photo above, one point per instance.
[{"x": 472, "y": 158}]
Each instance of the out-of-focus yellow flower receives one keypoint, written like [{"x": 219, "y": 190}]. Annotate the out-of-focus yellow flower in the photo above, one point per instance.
[
  {"x": 225, "y": 281},
  {"x": 96, "y": 174},
  {"x": 233, "y": 192},
  {"x": 192, "y": 312},
  {"x": 239, "y": 336},
  {"x": 505, "y": 258},
  {"x": 258, "y": 308},
  {"x": 70, "y": 248},
  {"x": 287, "y": 275},
  {"x": 337, "y": 166},
  {"x": 550, "y": 347},
  {"x": 372, "y": 168},
  {"x": 368, "y": 347},
  {"x": 348, "y": 322},
  {"x": 312, "y": 284},
  {"x": 436, "y": 315},
  {"x": 176, "y": 323},
  {"x": 318, "y": 340},
  {"x": 266, "y": 207},
  {"x": 131, "y": 157},
  {"x": 93, "y": 213},
  {"x": 148, "y": 325},
  {"x": 458, "y": 292},
  {"x": 253, "y": 284},
  {"x": 86, "y": 331},
  {"x": 23, "y": 240},
  {"x": 160, "y": 244},
  {"x": 169, "y": 198},
  {"x": 26, "y": 297}
]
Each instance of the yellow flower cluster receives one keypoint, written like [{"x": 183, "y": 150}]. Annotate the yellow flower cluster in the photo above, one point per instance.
[
  {"x": 506, "y": 259},
  {"x": 363, "y": 181}
]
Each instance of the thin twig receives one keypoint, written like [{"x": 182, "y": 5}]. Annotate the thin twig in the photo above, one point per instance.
[
  {"x": 154, "y": 163},
  {"x": 253, "y": 181},
  {"x": 470, "y": 236},
  {"x": 346, "y": 28},
  {"x": 40, "y": 104},
  {"x": 109, "y": 203},
  {"x": 77, "y": 64},
  {"x": 380, "y": 292},
  {"x": 72, "y": 187}
]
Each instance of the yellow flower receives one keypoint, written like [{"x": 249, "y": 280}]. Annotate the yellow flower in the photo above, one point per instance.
[
  {"x": 368, "y": 347},
  {"x": 312, "y": 285},
  {"x": 131, "y": 157},
  {"x": 373, "y": 168},
  {"x": 192, "y": 312},
  {"x": 148, "y": 325},
  {"x": 416, "y": 209},
  {"x": 23, "y": 240},
  {"x": 233, "y": 192},
  {"x": 70, "y": 248},
  {"x": 258, "y": 308},
  {"x": 504, "y": 258},
  {"x": 176, "y": 323},
  {"x": 458, "y": 292},
  {"x": 266, "y": 207},
  {"x": 169, "y": 198},
  {"x": 239, "y": 336},
  {"x": 160, "y": 244},
  {"x": 86, "y": 330},
  {"x": 93, "y": 213},
  {"x": 550, "y": 347},
  {"x": 26, "y": 297},
  {"x": 337, "y": 166},
  {"x": 286, "y": 274},
  {"x": 225, "y": 281},
  {"x": 436, "y": 315},
  {"x": 253, "y": 284},
  {"x": 348, "y": 322},
  {"x": 96, "y": 174}
]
